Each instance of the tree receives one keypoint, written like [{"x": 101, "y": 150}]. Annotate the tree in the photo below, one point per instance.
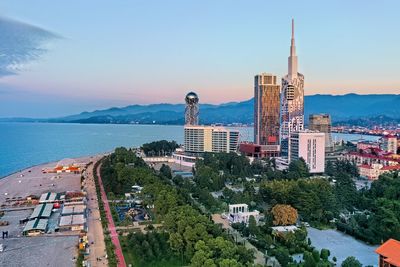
[
  {"x": 165, "y": 170},
  {"x": 253, "y": 229},
  {"x": 315, "y": 255},
  {"x": 351, "y": 262},
  {"x": 309, "y": 260},
  {"x": 325, "y": 254},
  {"x": 298, "y": 169},
  {"x": 284, "y": 214},
  {"x": 283, "y": 256}
]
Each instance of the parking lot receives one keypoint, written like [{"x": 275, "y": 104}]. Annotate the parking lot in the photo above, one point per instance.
[{"x": 39, "y": 251}]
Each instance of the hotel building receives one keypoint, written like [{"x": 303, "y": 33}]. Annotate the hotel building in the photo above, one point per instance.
[
  {"x": 310, "y": 146},
  {"x": 200, "y": 139},
  {"x": 266, "y": 113}
]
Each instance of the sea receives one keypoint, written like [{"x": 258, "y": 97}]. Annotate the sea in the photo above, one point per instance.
[{"x": 23, "y": 145}]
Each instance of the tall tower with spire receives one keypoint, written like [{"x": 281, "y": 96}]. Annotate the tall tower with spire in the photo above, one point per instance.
[{"x": 292, "y": 100}]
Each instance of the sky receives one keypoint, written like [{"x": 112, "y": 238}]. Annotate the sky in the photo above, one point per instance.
[{"x": 63, "y": 57}]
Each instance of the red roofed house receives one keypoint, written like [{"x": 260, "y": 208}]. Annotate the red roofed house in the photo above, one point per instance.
[
  {"x": 373, "y": 171},
  {"x": 389, "y": 254}
]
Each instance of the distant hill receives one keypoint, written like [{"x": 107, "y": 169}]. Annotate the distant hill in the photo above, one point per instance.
[{"x": 342, "y": 108}]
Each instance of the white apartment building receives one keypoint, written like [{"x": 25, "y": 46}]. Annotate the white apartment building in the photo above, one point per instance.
[
  {"x": 310, "y": 146},
  {"x": 200, "y": 139}
]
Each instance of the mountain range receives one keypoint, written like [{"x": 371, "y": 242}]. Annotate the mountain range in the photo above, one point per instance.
[{"x": 342, "y": 108}]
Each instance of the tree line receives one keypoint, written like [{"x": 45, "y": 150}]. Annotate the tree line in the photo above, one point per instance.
[{"x": 191, "y": 236}]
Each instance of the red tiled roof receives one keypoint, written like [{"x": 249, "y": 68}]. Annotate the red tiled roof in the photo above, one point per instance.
[
  {"x": 391, "y": 251},
  {"x": 373, "y": 156},
  {"x": 389, "y": 136},
  {"x": 365, "y": 166},
  {"x": 391, "y": 168}
]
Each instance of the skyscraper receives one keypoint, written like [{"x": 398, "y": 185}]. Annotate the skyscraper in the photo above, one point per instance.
[
  {"x": 322, "y": 123},
  {"x": 192, "y": 109},
  {"x": 292, "y": 100},
  {"x": 266, "y": 112}
]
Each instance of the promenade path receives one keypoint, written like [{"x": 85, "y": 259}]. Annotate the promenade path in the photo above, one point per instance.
[
  {"x": 95, "y": 229},
  {"x": 111, "y": 225}
]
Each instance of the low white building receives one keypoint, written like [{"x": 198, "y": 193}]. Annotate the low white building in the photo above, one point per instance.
[
  {"x": 239, "y": 213},
  {"x": 284, "y": 229}
]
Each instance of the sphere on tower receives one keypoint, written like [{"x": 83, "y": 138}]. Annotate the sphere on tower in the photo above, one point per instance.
[{"x": 192, "y": 109}]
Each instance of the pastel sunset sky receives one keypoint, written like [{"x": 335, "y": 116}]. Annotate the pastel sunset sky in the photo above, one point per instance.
[{"x": 63, "y": 57}]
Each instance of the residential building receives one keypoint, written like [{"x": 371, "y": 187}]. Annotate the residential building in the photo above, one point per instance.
[
  {"x": 266, "y": 113},
  {"x": 389, "y": 143},
  {"x": 192, "y": 109},
  {"x": 389, "y": 253},
  {"x": 364, "y": 144},
  {"x": 200, "y": 139},
  {"x": 366, "y": 158},
  {"x": 292, "y": 101},
  {"x": 322, "y": 123},
  {"x": 373, "y": 171},
  {"x": 310, "y": 146}
]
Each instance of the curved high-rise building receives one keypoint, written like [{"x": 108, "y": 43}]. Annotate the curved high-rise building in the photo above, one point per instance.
[
  {"x": 192, "y": 109},
  {"x": 292, "y": 100}
]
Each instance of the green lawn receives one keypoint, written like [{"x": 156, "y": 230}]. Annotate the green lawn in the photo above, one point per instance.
[{"x": 130, "y": 257}]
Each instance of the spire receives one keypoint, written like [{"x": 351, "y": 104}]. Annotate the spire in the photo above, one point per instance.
[
  {"x": 292, "y": 60},
  {"x": 292, "y": 29}
]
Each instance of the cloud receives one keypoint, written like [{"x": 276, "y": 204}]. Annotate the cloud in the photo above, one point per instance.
[{"x": 20, "y": 44}]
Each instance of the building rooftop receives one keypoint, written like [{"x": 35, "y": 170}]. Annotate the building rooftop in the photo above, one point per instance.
[
  {"x": 73, "y": 209},
  {"x": 48, "y": 197},
  {"x": 391, "y": 168},
  {"x": 37, "y": 224},
  {"x": 289, "y": 228},
  {"x": 71, "y": 220},
  {"x": 365, "y": 166},
  {"x": 391, "y": 251},
  {"x": 41, "y": 211}
]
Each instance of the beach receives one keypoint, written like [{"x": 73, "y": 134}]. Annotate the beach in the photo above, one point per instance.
[
  {"x": 50, "y": 248},
  {"x": 32, "y": 181}
]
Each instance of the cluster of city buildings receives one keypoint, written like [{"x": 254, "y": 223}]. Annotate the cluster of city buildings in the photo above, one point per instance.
[
  {"x": 279, "y": 130},
  {"x": 278, "y": 124},
  {"x": 376, "y": 158},
  {"x": 199, "y": 139}
]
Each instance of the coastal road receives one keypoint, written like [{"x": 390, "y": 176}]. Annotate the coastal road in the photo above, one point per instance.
[
  {"x": 95, "y": 229},
  {"x": 111, "y": 225}
]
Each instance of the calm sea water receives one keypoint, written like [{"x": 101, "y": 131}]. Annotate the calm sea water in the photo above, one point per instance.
[{"x": 25, "y": 144}]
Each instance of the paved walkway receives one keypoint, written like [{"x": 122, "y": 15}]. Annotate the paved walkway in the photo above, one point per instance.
[
  {"x": 95, "y": 229},
  {"x": 111, "y": 225}
]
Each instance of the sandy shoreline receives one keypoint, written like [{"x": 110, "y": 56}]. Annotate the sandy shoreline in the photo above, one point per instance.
[{"x": 31, "y": 181}]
